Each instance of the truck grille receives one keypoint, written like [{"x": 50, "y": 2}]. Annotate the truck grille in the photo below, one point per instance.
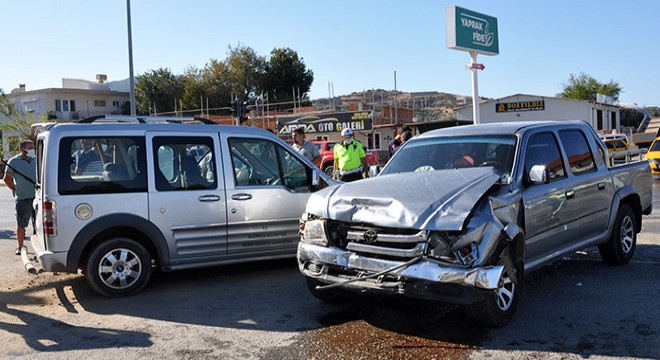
[{"x": 381, "y": 242}]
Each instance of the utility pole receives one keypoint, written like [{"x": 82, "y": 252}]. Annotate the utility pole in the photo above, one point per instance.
[{"x": 130, "y": 57}]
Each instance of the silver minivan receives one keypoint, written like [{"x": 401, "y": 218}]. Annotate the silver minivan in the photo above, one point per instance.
[{"x": 119, "y": 197}]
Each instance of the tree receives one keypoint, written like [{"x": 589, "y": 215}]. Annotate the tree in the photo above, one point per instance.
[
  {"x": 158, "y": 91},
  {"x": 244, "y": 71},
  {"x": 19, "y": 123},
  {"x": 585, "y": 87},
  {"x": 286, "y": 71}
]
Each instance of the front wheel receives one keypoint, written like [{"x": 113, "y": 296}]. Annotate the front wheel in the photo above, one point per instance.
[
  {"x": 118, "y": 267},
  {"x": 619, "y": 249},
  {"x": 497, "y": 307}
]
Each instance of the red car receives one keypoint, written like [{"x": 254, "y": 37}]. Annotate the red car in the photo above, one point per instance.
[{"x": 326, "y": 148}]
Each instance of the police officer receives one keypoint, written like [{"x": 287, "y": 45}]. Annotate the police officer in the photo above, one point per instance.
[{"x": 350, "y": 159}]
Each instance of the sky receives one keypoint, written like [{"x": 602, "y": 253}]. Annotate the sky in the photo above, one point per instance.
[{"x": 350, "y": 46}]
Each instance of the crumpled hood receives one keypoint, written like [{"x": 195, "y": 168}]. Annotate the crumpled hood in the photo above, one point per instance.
[{"x": 434, "y": 200}]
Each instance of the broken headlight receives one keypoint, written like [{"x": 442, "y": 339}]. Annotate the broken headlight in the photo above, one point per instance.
[
  {"x": 439, "y": 244},
  {"x": 313, "y": 232}
]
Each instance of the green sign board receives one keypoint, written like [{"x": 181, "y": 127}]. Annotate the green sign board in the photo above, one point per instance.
[{"x": 471, "y": 31}]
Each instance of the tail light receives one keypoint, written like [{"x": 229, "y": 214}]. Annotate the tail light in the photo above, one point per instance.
[{"x": 49, "y": 218}]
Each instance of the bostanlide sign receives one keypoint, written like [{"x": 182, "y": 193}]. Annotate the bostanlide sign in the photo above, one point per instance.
[{"x": 534, "y": 105}]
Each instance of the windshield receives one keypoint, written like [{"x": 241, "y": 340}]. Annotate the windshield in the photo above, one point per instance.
[
  {"x": 456, "y": 152},
  {"x": 655, "y": 146}
]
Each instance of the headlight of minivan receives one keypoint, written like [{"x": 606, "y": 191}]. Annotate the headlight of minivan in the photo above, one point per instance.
[{"x": 314, "y": 232}]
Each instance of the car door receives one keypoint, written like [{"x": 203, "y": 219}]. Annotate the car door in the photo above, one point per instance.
[
  {"x": 267, "y": 189},
  {"x": 592, "y": 186},
  {"x": 186, "y": 196},
  {"x": 548, "y": 213}
]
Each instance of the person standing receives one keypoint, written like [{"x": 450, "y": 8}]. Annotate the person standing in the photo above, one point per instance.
[
  {"x": 20, "y": 175},
  {"x": 398, "y": 141},
  {"x": 350, "y": 159},
  {"x": 304, "y": 147}
]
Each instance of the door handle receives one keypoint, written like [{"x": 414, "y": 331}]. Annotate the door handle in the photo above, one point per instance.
[
  {"x": 241, "y": 196},
  {"x": 601, "y": 186},
  {"x": 570, "y": 194},
  {"x": 208, "y": 198}
]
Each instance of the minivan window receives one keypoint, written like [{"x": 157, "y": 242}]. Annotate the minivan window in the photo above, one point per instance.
[
  {"x": 260, "y": 162},
  {"x": 176, "y": 166},
  {"x": 102, "y": 165}
]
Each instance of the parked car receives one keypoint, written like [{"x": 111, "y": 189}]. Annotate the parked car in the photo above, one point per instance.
[
  {"x": 326, "y": 148},
  {"x": 462, "y": 214},
  {"x": 154, "y": 206},
  {"x": 653, "y": 156}
]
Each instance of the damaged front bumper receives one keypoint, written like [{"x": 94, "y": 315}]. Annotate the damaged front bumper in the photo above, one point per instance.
[{"x": 423, "y": 278}]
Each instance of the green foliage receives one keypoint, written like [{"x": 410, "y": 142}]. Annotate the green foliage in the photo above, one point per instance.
[
  {"x": 585, "y": 87},
  {"x": 284, "y": 72},
  {"x": 157, "y": 91},
  {"x": 243, "y": 74},
  {"x": 18, "y": 126},
  {"x": 245, "y": 71}
]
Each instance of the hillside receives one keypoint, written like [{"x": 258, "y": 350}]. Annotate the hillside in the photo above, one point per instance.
[{"x": 427, "y": 106}]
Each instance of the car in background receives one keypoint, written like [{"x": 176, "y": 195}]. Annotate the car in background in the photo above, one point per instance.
[
  {"x": 617, "y": 143},
  {"x": 327, "y": 148},
  {"x": 653, "y": 156}
]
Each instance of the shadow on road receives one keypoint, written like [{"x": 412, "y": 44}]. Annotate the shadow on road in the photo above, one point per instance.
[{"x": 579, "y": 305}]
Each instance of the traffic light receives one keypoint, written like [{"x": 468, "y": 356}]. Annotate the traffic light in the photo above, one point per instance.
[{"x": 243, "y": 111}]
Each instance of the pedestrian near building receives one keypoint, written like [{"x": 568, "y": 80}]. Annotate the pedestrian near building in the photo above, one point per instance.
[
  {"x": 304, "y": 147},
  {"x": 350, "y": 159},
  {"x": 20, "y": 175}
]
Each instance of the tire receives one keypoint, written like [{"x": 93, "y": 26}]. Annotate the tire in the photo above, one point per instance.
[
  {"x": 499, "y": 305},
  {"x": 333, "y": 295},
  {"x": 619, "y": 249},
  {"x": 118, "y": 267},
  {"x": 329, "y": 169}
]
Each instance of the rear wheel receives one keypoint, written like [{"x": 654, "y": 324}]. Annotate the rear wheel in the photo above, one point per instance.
[
  {"x": 619, "y": 249},
  {"x": 118, "y": 267},
  {"x": 498, "y": 307},
  {"x": 332, "y": 295}
]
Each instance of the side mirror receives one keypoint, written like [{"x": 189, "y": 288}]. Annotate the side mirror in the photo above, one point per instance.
[{"x": 539, "y": 175}]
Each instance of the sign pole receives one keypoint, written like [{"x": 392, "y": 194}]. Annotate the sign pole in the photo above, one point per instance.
[{"x": 475, "y": 88}]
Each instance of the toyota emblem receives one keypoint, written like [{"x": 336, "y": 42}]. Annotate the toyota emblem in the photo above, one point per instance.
[{"x": 370, "y": 236}]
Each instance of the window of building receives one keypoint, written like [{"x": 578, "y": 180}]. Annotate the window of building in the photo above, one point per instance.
[
  {"x": 65, "y": 105},
  {"x": 99, "y": 103}
]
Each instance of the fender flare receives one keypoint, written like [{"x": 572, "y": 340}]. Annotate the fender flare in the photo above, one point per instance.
[
  {"x": 106, "y": 223},
  {"x": 619, "y": 197}
]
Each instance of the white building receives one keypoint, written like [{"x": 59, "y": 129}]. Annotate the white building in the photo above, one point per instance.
[
  {"x": 521, "y": 107},
  {"x": 76, "y": 99}
]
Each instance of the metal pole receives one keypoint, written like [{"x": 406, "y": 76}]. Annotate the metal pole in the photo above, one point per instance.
[
  {"x": 396, "y": 110},
  {"x": 475, "y": 89},
  {"x": 130, "y": 57}
]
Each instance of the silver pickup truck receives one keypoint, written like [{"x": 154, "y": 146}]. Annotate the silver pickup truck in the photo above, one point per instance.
[{"x": 462, "y": 214}]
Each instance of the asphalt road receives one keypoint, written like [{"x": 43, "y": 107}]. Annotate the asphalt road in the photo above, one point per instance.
[{"x": 574, "y": 309}]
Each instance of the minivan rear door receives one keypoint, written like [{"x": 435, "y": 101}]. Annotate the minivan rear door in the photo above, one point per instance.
[{"x": 187, "y": 195}]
